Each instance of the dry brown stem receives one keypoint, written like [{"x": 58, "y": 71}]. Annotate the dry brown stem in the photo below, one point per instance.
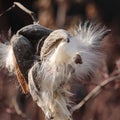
[{"x": 94, "y": 92}]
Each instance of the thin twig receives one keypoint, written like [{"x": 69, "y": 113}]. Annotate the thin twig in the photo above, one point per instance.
[
  {"x": 19, "y": 5},
  {"x": 32, "y": 14},
  {"x": 7, "y": 10},
  {"x": 94, "y": 92}
]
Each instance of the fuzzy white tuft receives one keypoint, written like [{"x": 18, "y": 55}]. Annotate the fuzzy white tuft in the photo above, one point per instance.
[
  {"x": 91, "y": 33},
  {"x": 48, "y": 88},
  {"x": 49, "y": 82},
  {"x": 6, "y": 57},
  {"x": 89, "y": 37},
  {"x": 87, "y": 43}
]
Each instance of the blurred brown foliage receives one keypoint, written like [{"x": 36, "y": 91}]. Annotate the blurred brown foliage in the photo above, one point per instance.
[{"x": 65, "y": 14}]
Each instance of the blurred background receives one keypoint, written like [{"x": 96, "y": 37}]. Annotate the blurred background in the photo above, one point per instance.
[{"x": 66, "y": 14}]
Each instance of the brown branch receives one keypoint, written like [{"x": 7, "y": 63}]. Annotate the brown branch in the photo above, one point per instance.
[{"x": 94, "y": 92}]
